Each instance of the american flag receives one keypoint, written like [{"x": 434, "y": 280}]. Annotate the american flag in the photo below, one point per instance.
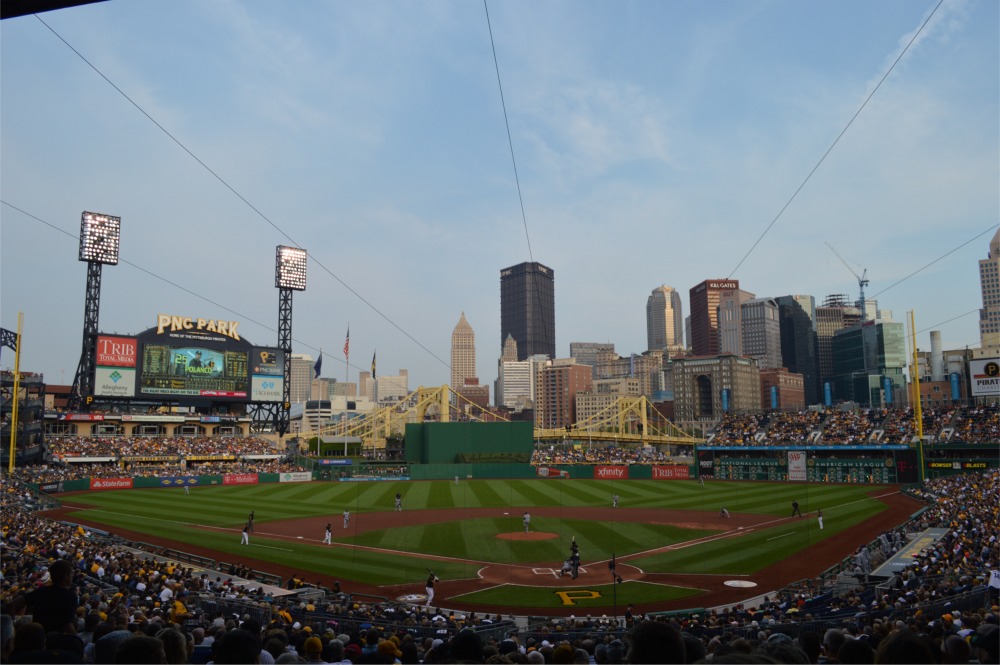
[{"x": 347, "y": 343}]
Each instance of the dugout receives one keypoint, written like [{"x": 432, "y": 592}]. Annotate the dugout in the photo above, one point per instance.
[{"x": 469, "y": 442}]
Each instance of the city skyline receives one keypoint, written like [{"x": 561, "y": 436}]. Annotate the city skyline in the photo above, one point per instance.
[{"x": 654, "y": 144}]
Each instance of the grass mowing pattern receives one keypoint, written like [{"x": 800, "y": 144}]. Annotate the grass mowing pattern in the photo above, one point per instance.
[
  {"x": 476, "y": 539},
  {"x": 762, "y": 547},
  {"x": 169, "y": 512},
  {"x": 549, "y": 598}
]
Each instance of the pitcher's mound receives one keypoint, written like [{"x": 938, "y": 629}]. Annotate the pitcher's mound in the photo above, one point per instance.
[{"x": 532, "y": 535}]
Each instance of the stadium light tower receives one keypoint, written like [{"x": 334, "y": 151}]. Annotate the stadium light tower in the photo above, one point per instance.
[
  {"x": 289, "y": 275},
  {"x": 100, "y": 237}
]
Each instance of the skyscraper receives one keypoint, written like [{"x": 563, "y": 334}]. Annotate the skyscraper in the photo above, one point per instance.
[
  {"x": 463, "y": 353},
  {"x": 798, "y": 341},
  {"x": 664, "y": 319},
  {"x": 704, "y": 301},
  {"x": 528, "y": 309},
  {"x": 835, "y": 314},
  {"x": 730, "y": 320},
  {"x": 762, "y": 332},
  {"x": 989, "y": 282}
]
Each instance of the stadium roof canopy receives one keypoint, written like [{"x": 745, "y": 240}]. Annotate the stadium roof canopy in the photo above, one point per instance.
[{"x": 14, "y": 8}]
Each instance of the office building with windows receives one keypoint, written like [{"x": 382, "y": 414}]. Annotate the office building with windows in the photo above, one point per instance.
[
  {"x": 527, "y": 309},
  {"x": 989, "y": 283},
  {"x": 664, "y": 319},
  {"x": 704, "y": 303}
]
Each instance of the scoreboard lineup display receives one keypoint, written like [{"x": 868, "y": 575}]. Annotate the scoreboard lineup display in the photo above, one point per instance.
[{"x": 193, "y": 371}]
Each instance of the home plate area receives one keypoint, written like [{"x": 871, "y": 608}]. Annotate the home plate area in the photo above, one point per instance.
[{"x": 555, "y": 572}]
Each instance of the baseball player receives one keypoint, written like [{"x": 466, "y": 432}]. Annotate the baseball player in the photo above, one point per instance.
[{"x": 429, "y": 586}]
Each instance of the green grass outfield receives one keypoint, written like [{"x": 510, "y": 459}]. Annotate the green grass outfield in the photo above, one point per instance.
[{"x": 169, "y": 513}]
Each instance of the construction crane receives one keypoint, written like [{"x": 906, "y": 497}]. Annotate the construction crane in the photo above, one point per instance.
[{"x": 862, "y": 279}]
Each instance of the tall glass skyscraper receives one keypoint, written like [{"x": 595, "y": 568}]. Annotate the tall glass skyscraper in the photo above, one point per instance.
[
  {"x": 664, "y": 319},
  {"x": 528, "y": 309}
]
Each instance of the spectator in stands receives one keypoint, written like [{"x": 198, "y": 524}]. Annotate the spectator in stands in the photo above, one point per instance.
[
  {"x": 141, "y": 649},
  {"x": 54, "y": 605},
  {"x": 654, "y": 642}
]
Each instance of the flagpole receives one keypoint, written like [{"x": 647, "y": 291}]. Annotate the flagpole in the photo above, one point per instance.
[{"x": 347, "y": 358}]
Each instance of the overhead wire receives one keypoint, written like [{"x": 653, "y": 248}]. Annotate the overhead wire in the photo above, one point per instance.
[
  {"x": 240, "y": 196},
  {"x": 520, "y": 198},
  {"x": 839, "y": 136}
]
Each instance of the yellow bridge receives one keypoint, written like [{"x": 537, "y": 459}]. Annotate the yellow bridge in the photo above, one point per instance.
[{"x": 630, "y": 420}]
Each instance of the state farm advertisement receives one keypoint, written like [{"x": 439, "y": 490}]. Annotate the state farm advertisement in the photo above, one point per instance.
[
  {"x": 610, "y": 472},
  {"x": 239, "y": 479},
  {"x": 110, "y": 483},
  {"x": 672, "y": 472}
]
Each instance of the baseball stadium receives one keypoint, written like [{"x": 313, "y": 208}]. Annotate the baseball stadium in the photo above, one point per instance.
[{"x": 418, "y": 521}]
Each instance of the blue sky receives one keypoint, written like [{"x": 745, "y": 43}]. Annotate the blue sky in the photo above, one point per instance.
[{"x": 655, "y": 142}]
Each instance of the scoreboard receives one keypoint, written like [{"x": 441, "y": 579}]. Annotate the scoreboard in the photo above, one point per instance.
[{"x": 194, "y": 363}]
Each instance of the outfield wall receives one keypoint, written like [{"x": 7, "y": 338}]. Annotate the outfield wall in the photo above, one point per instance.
[
  {"x": 442, "y": 443},
  {"x": 172, "y": 482}
]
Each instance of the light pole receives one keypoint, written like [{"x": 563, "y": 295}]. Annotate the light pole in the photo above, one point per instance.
[
  {"x": 100, "y": 237},
  {"x": 289, "y": 275}
]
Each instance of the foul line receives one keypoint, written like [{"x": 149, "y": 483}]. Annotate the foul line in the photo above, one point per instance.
[{"x": 783, "y": 535}]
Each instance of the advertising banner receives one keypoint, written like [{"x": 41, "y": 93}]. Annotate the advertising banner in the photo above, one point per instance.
[
  {"x": 610, "y": 472},
  {"x": 239, "y": 479},
  {"x": 93, "y": 417},
  {"x": 797, "y": 465},
  {"x": 267, "y": 388},
  {"x": 706, "y": 463},
  {"x": 51, "y": 488},
  {"x": 295, "y": 477},
  {"x": 210, "y": 458},
  {"x": 114, "y": 382},
  {"x": 672, "y": 472},
  {"x": 335, "y": 462},
  {"x": 985, "y": 375},
  {"x": 550, "y": 472},
  {"x": 110, "y": 483},
  {"x": 178, "y": 481},
  {"x": 116, "y": 351}
]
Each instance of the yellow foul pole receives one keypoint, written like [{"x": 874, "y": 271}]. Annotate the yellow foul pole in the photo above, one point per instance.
[{"x": 17, "y": 391}]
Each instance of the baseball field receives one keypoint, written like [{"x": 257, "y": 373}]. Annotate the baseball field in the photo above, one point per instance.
[{"x": 670, "y": 547}]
